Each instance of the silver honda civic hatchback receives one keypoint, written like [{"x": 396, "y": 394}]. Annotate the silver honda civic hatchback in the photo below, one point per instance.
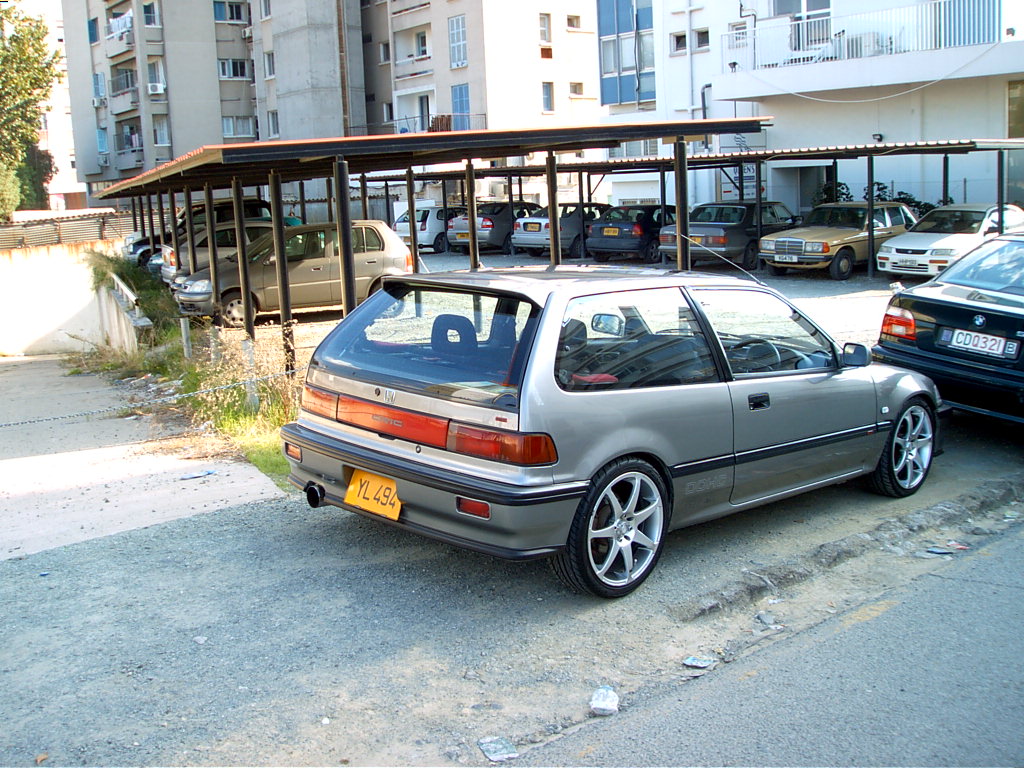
[{"x": 582, "y": 413}]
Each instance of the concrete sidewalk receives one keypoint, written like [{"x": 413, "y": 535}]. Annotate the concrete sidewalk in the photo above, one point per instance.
[{"x": 65, "y": 480}]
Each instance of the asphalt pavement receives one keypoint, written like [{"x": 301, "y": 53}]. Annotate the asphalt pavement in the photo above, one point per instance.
[{"x": 927, "y": 674}]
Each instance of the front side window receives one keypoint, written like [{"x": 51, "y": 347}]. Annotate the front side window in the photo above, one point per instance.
[
  {"x": 760, "y": 333},
  {"x": 632, "y": 340},
  {"x": 453, "y": 345}
]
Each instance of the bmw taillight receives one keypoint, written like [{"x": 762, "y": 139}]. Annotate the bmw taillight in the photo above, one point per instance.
[
  {"x": 899, "y": 323},
  {"x": 486, "y": 223}
]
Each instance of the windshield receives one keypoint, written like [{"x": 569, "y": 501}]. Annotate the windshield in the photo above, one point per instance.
[
  {"x": 719, "y": 214},
  {"x": 455, "y": 345},
  {"x": 827, "y": 216},
  {"x": 998, "y": 265},
  {"x": 490, "y": 209},
  {"x": 950, "y": 222}
]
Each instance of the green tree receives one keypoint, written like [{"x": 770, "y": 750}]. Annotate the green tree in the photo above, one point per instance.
[
  {"x": 28, "y": 70},
  {"x": 10, "y": 194},
  {"x": 34, "y": 173}
]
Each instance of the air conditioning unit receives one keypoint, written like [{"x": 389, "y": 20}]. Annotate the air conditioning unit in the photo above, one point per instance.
[
  {"x": 247, "y": 33},
  {"x": 103, "y": 160},
  {"x": 99, "y": 101},
  {"x": 156, "y": 88}
]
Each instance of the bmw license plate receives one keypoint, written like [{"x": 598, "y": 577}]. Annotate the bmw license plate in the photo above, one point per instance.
[
  {"x": 373, "y": 493},
  {"x": 610, "y": 231},
  {"x": 972, "y": 341},
  {"x": 788, "y": 258}
]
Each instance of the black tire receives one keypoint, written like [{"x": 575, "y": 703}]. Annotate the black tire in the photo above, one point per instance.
[
  {"x": 775, "y": 270},
  {"x": 143, "y": 256},
  {"x": 600, "y": 257},
  {"x": 576, "y": 248},
  {"x": 232, "y": 312},
  {"x": 841, "y": 266},
  {"x": 506, "y": 245},
  {"x": 628, "y": 507},
  {"x": 749, "y": 260},
  {"x": 650, "y": 254},
  {"x": 441, "y": 243},
  {"x": 908, "y": 453}
]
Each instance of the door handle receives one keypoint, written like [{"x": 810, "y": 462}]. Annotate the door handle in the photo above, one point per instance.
[
  {"x": 759, "y": 401},
  {"x": 316, "y": 269}
]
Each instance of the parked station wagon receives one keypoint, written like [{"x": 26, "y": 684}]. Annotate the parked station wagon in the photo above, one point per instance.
[{"x": 582, "y": 413}]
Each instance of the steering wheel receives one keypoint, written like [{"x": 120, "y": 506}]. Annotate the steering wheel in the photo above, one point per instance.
[{"x": 759, "y": 349}]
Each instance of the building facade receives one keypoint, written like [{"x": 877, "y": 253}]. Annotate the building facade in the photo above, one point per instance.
[{"x": 830, "y": 72}]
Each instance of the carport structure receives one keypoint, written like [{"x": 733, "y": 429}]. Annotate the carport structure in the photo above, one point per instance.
[{"x": 235, "y": 166}]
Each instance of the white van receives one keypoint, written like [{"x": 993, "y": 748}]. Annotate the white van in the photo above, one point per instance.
[{"x": 432, "y": 219}]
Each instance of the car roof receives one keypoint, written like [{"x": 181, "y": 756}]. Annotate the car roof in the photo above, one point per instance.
[
  {"x": 971, "y": 207},
  {"x": 862, "y": 204},
  {"x": 539, "y": 283},
  {"x": 748, "y": 203}
]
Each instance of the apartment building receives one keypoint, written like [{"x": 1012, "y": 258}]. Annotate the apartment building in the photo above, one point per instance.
[
  {"x": 153, "y": 80},
  {"x": 831, "y": 72}
]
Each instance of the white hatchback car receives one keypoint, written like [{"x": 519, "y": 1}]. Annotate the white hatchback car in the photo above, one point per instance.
[{"x": 943, "y": 235}]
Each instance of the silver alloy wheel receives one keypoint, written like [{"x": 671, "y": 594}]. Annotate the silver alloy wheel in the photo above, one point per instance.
[
  {"x": 912, "y": 447},
  {"x": 625, "y": 529}
]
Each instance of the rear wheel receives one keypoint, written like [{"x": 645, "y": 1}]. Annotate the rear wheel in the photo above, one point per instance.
[
  {"x": 576, "y": 248},
  {"x": 506, "y": 245},
  {"x": 907, "y": 457},
  {"x": 441, "y": 243},
  {"x": 601, "y": 257},
  {"x": 618, "y": 532},
  {"x": 650, "y": 253},
  {"x": 749, "y": 261},
  {"x": 842, "y": 265}
]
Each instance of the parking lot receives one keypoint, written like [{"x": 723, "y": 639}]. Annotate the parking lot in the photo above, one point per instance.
[{"x": 270, "y": 633}]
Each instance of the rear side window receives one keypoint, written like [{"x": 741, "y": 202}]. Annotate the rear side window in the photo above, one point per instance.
[
  {"x": 448, "y": 344},
  {"x": 632, "y": 340}
]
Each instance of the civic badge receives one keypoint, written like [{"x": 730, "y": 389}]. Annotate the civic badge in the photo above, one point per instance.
[{"x": 979, "y": 321}]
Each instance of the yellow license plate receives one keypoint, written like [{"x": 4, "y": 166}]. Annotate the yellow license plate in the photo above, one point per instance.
[
  {"x": 531, "y": 227},
  {"x": 462, "y": 235},
  {"x": 697, "y": 239},
  {"x": 373, "y": 493},
  {"x": 610, "y": 231}
]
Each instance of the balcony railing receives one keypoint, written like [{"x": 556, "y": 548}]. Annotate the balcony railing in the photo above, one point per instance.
[
  {"x": 439, "y": 123},
  {"x": 926, "y": 27},
  {"x": 413, "y": 66}
]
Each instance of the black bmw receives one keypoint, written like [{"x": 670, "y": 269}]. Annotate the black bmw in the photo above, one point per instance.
[{"x": 965, "y": 330}]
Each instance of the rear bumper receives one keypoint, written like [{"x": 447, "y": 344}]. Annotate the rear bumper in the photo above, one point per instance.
[
  {"x": 524, "y": 523},
  {"x": 962, "y": 387}
]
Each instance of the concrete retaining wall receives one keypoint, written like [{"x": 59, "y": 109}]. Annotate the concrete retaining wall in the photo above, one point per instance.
[{"x": 48, "y": 305}]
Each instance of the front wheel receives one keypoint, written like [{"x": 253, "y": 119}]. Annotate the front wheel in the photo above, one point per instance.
[
  {"x": 842, "y": 265},
  {"x": 618, "y": 532},
  {"x": 907, "y": 457},
  {"x": 775, "y": 270},
  {"x": 232, "y": 311},
  {"x": 749, "y": 261}
]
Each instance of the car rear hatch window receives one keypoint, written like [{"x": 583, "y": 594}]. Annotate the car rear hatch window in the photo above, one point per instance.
[{"x": 449, "y": 344}]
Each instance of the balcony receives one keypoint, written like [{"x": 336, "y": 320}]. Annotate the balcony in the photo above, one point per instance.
[
  {"x": 406, "y": 14},
  {"x": 410, "y": 68},
  {"x": 123, "y": 101},
  {"x": 120, "y": 43},
  {"x": 129, "y": 159},
  {"x": 897, "y": 45},
  {"x": 437, "y": 123}
]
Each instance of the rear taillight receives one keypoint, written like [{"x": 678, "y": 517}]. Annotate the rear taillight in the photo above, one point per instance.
[
  {"x": 516, "y": 226},
  {"x": 899, "y": 323},
  {"x": 637, "y": 230},
  {"x": 436, "y": 431},
  {"x": 486, "y": 223},
  {"x": 409, "y": 266},
  {"x": 547, "y": 225},
  {"x": 320, "y": 402},
  {"x": 497, "y": 445},
  {"x": 716, "y": 240},
  {"x": 171, "y": 257}
]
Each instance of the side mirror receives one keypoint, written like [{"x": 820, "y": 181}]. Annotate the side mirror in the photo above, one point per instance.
[
  {"x": 796, "y": 221},
  {"x": 855, "y": 355},
  {"x": 610, "y": 324},
  {"x": 992, "y": 231}
]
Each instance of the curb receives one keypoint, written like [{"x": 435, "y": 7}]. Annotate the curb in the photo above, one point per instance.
[{"x": 889, "y": 534}]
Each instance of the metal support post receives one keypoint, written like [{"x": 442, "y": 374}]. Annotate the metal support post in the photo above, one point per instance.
[
  {"x": 871, "y": 216},
  {"x": 554, "y": 225},
  {"x": 281, "y": 262},
  {"x": 344, "y": 219},
  {"x": 683, "y": 259}
]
